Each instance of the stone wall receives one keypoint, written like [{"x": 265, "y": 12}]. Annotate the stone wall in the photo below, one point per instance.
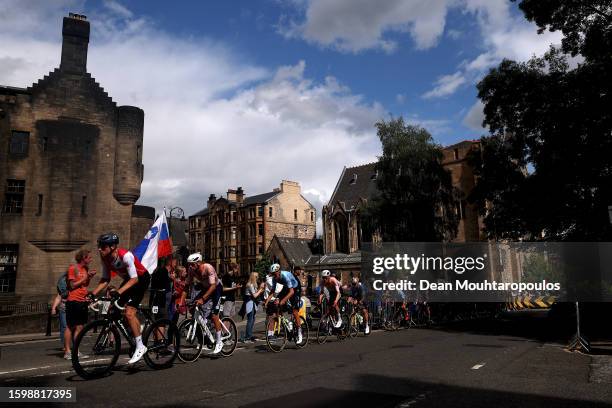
[{"x": 69, "y": 171}]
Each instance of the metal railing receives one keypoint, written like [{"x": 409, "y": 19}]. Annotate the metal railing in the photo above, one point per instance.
[{"x": 23, "y": 308}]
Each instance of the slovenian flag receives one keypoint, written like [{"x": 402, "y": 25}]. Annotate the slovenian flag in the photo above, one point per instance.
[{"x": 156, "y": 244}]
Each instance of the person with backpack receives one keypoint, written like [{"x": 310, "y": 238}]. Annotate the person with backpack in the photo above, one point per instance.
[
  {"x": 77, "y": 280},
  {"x": 59, "y": 308}
]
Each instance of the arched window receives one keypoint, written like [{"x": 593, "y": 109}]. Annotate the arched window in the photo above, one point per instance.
[{"x": 341, "y": 231}]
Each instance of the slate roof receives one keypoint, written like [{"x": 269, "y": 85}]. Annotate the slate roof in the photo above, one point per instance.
[
  {"x": 256, "y": 199},
  {"x": 260, "y": 198},
  {"x": 350, "y": 189},
  {"x": 296, "y": 250},
  {"x": 201, "y": 212}
]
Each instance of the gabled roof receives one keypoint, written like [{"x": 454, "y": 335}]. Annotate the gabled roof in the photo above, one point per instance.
[
  {"x": 260, "y": 198},
  {"x": 355, "y": 183},
  {"x": 296, "y": 250}
]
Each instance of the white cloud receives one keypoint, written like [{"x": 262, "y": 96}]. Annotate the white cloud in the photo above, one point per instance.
[
  {"x": 213, "y": 121},
  {"x": 356, "y": 25},
  {"x": 118, "y": 8},
  {"x": 445, "y": 85},
  {"x": 473, "y": 119},
  {"x": 400, "y": 98}
]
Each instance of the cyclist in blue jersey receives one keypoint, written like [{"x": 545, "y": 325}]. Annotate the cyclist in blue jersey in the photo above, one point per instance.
[{"x": 289, "y": 295}]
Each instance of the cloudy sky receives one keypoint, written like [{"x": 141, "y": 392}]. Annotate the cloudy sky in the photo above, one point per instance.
[{"x": 246, "y": 93}]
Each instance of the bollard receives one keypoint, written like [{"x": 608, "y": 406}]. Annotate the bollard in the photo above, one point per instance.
[{"x": 48, "y": 331}]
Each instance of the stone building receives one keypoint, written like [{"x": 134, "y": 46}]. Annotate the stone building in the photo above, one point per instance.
[
  {"x": 342, "y": 232},
  {"x": 71, "y": 168},
  {"x": 237, "y": 228}
]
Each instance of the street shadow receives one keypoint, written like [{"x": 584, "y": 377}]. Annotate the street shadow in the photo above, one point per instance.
[{"x": 383, "y": 391}]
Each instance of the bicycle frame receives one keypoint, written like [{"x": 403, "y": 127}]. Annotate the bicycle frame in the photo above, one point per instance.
[{"x": 197, "y": 313}]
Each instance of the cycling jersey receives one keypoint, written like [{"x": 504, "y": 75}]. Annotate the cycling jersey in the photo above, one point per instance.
[
  {"x": 287, "y": 279},
  {"x": 358, "y": 291},
  {"x": 333, "y": 287},
  {"x": 203, "y": 279},
  {"x": 126, "y": 266}
]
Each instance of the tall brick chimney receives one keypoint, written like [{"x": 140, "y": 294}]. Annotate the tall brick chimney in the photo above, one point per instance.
[
  {"x": 239, "y": 194},
  {"x": 211, "y": 200},
  {"x": 75, "y": 33}
]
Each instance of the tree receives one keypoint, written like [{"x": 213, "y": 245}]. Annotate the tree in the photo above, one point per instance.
[
  {"x": 262, "y": 266},
  {"x": 416, "y": 200},
  {"x": 546, "y": 169}
]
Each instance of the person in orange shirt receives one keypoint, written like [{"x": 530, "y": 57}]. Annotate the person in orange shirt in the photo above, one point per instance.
[{"x": 78, "y": 278}]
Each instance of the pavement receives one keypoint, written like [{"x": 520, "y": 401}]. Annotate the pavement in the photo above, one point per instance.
[{"x": 477, "y": 364}]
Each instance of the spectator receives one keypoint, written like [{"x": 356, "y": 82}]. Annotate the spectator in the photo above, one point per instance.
[
  {"x": 252, "y": 293},
  {"x": 59, "y": 308},
  {"x": 78, "y": 278},
  {"x": 160, "y": 286},
  {"x": 179, "y": 282},
  {"x": 229, "y": 290}
]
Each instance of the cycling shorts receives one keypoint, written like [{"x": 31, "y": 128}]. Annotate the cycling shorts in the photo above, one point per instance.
[
  {"x": 133, "y": 296},
  {"x": 213, "y": 303}
]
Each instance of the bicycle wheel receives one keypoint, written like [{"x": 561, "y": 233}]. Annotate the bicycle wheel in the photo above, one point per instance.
[
  {"x": 278, "y": 340},
  {"x": 162, "y": 341},
  {"x": 353, "y": 325},
  {"x": 343, "y": 331},
  {"x": 96, "y": 349},
  {"x": 229, "y": 336},
  {"x": 324, "y": 329},
  {"x": 305, "y": 334},
  {"x": 191, "y": 339}
]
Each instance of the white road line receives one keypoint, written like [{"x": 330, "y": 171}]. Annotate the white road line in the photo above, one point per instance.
[
  {"x": 479, "y": 365},
  {"x": 24, "y": 369},
  {"x": 18, "y": 343}
]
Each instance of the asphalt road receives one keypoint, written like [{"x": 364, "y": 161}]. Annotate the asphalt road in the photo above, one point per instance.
[{"x": 476, "y": 364}]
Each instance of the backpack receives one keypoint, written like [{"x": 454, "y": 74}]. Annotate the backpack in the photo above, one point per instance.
[{"x": 62, "y": 286}]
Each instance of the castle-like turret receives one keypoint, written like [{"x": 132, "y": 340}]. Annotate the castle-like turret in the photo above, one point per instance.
[{"x": 128, "y": 154}]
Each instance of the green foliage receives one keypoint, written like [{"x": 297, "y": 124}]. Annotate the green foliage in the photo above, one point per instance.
[
  {"x": 416, "y": 200},
  {"x": 537, "y": 267},
  {"x": 546, "y": 169},
  {"x": 262, "y": 266}
]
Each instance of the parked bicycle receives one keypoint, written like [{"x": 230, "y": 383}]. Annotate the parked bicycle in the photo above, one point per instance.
[{"x": 98, "y": 345}]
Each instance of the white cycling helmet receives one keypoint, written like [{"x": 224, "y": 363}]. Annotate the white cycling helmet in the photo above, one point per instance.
[
  {"x": 197, "y": 257},
  {"x": 325, "y": 273},
  {"x": 274, "y": 268}
]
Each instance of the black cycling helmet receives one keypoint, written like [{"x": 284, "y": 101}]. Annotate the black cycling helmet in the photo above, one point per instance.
[{"x": 109, "y": 239}]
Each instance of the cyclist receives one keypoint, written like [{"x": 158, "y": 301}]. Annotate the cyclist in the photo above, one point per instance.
[
  {"x": 357, "y": 298},
  {"x": 333, "y": 287},
  {"x": 136, "y": 279},
  {"x": 208, "y": 288},
  {"x": 289, "y": 295}
]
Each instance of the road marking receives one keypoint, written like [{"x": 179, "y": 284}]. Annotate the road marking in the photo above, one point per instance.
[
  {"x": 17, "y": 343},
  {"x": 479, "y": 365},
  {"x": 24, "y": 369}
]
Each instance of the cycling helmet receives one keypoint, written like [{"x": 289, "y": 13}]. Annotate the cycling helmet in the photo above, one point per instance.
[
  {"x": 274, "y": 268},
  {"x": 197, "y": 257},
  {"x": 109, "y": 239},
  {"x": 325, "y": 273}
]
